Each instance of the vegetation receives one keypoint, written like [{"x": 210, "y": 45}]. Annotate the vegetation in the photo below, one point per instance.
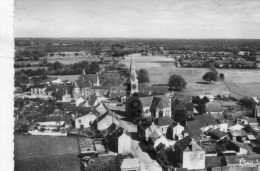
[
  {"x": 221, "y": 76},
  {"x": 210, "y": 76},
  {"x": 143, "y": 76},
  {"x": 247, "y": 102},
  {"x": 177, "y": 82}
]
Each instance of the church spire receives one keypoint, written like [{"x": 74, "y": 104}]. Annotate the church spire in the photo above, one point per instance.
[
  {"x": 132, "y": 74},
  {"x": 133, "y": 77}
]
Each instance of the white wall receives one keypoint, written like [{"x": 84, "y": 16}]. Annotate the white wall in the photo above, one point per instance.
[{"x": 84, "y": 120}]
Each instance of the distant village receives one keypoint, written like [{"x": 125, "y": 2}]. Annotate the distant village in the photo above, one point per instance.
[{"x": 150, "y": 126}]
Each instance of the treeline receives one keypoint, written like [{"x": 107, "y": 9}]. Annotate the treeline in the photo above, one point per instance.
[
  {"x": 228, "y": 64},
  {"x": 139, "y": 45},
  {"x": 58, "y": 68}
]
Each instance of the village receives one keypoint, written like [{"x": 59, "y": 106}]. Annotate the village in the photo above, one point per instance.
[{"x": 149, "y": 126}]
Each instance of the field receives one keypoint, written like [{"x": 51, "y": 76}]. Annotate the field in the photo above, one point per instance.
[
  {"x": 45, "y": 153},
  {"x": 63, "y": 60},
  {"x": 159, "y": 72}
]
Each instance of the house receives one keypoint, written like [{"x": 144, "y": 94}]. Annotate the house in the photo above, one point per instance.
[
  {"x": 124, "y": 144},
  {"x": 213, "y": 108},
  {"x": 101, "y": 108},
  {"x": 236, "y": 127},
  {"x": 217, "y": 134},
  {"x": 160, "y": 124},
  {"x": 238, "y": 135},
  {"x": 150, "y": 164},
  {"x": 206, "y": 122},
  {"x": 82, "y": 86},
  {"x": 131, "y": 164},
  {"x": 223, "y": 123},
  {"x": 105, "y": 120},
  {"x": 163, "y": 123},
  {"x": 239, "y": 148},
  {"x": 90, "y": 101},
  {"x": 193, "y": 128},
  {"x": 38, "y": 89},
  {"x": 191, "y": 155},
  {"x": 175, "y": 131},
  {"x": 85, "y": 121}
]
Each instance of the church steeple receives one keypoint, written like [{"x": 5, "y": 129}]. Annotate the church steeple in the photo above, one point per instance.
[{"x": 133, "y": 77}]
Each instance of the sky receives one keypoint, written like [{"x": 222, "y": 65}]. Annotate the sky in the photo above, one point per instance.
[{"x": 138, "y": 18}]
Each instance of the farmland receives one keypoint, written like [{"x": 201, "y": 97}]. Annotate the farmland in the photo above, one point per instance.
[
  {"x": 161, "y": 71},
  {"x": 63, "y": 60},
  {"x": 45, "y": 153}
]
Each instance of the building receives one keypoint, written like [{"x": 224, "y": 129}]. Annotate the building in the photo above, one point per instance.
[
  {"x": 175, "y": 131},
  {"x": 82, "y": 86},
  {"x": 213, "y": 108},
  {"x": 191, "y": 155},
  {"x": 143, "y": 101},
  {"x": 85, "y": 121},
  {"x": 38, "y": 90}
]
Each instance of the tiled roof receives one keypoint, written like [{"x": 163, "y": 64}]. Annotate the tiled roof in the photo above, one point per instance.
[
  {"x": 206, "y": 120},
  {"x": 155, "y": 135},
  {"x": 193, "y": 128},
  {"x": 183, "y": 143},
  {"x": 238, "y": 133},
  {"x": 92, "y": 100},
  {"x": 219, "y": 117},
  {"x": 159, "y": 102},
  {"x": 217, "y": 133},
  {"x": 163, "y": 121},
  {"x": 213, "y": 107},
  {"x": 146, "y": 101},
  {"x": 142, "y": 88},
  {"x": 234, "y": 160}
]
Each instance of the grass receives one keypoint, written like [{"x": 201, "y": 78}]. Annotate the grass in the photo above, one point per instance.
[
  {"x": 45, "y": 153},
  {"x": 160, "y": 72}
]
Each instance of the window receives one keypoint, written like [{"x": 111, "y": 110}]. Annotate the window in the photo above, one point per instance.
[{"x": 79, "y": 120}]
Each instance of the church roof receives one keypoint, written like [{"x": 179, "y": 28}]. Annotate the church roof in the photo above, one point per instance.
[
  {"x": 146, "y": 101},
  {"x": 160, "y": 102}
]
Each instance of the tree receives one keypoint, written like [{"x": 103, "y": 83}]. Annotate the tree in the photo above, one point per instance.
[
  {"x": 143, "y": 76},
  {"x": 221, "y": 76},
  {"x": 57, "y": 65},
  {"x": 177, "y": 82},
  {"x": 94, "y": 67},
  {"x": 210, "y": 76}
]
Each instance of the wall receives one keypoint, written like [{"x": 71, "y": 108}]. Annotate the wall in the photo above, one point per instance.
[
  {"x": 193, "y": 160},
  {"x": 84, "y": 120}
]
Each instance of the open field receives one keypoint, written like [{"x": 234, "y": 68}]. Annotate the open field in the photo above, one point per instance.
[
  {"x": 160, "y": 73},
  {"x": 45, "y": 153}
]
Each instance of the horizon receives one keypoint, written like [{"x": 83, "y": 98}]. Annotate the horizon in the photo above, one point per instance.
[
  {"x": 174, "y": 19},
  {"x": 136, "y": 38}
]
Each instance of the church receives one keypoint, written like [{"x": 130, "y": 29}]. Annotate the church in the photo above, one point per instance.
[{"x": 143, "y": 101}]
